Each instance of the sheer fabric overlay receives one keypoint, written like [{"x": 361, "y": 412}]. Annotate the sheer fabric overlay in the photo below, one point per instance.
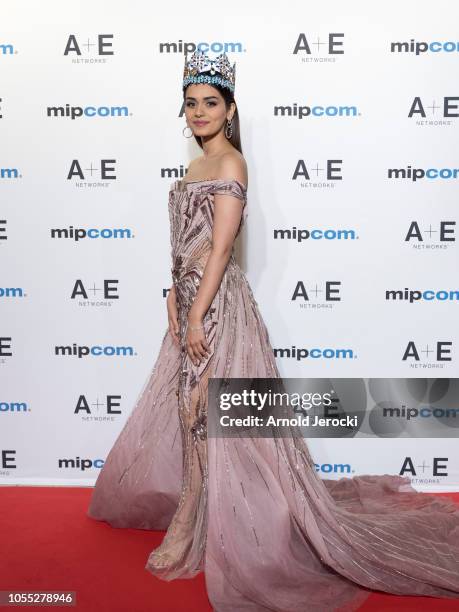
[{"x": 253, "y": 513}]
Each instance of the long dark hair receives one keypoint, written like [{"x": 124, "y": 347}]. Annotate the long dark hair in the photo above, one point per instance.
[{"x": 228, "y": 96}]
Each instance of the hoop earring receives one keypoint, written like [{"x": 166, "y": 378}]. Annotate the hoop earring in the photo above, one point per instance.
[
  {"x": 229, "y": 126},
  {"x": 183, "y": 131}
]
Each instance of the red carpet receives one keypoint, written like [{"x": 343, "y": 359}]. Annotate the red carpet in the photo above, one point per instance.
[{"x": 48, "y": 543}]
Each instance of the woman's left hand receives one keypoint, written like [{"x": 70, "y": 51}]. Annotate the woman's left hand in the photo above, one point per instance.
[{"x": 196, "y": 342}]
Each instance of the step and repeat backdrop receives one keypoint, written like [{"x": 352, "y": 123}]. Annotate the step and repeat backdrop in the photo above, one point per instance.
[{"x": 349, "y": 118}]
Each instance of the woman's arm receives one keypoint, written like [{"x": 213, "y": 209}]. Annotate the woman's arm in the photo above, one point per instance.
[{"x": 227, "y": 217}]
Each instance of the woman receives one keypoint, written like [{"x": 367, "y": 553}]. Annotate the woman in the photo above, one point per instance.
[{"x": 251, "y": 512}]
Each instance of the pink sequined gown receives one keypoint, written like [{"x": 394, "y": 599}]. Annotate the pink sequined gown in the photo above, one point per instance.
[{"x": 252, "y": 513}]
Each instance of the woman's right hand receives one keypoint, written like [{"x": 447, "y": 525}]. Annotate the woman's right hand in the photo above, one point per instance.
[{"x": 172, "y": 315}]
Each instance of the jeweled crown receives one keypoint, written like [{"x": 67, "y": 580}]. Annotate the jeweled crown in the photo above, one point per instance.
[{"x": 201, "y": 69}]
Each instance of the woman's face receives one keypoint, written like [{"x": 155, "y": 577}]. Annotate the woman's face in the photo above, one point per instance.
[{"x": 205, "y": 109}]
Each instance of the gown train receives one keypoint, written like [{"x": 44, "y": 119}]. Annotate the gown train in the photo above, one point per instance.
[{"x": 252, "y": 513}]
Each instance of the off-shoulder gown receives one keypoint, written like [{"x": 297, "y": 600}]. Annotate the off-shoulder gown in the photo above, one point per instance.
[{"x": 253, "y": 513}]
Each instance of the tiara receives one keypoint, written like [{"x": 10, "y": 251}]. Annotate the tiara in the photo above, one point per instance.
[{"x": 201, "y": 69}]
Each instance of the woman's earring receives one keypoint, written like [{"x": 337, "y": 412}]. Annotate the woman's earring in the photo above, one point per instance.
[
  {"x": 229, "y": 128},
  {"x": 183, "y": 131}
]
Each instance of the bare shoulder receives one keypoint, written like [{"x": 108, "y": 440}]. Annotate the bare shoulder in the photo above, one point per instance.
[
  {"x": 232, "y": 165},
  {"x": 194, "y": 163}
]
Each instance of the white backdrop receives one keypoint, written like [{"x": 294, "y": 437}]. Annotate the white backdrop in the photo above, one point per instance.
[{"x": 109, "y": 170}]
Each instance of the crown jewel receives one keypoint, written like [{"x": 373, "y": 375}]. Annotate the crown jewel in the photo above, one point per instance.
[{"x": 201, "y": 69}]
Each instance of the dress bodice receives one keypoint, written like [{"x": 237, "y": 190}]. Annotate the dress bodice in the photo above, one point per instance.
[
  {"x": 181, "y": 185},
  {"x": 191, "y": 214}
]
